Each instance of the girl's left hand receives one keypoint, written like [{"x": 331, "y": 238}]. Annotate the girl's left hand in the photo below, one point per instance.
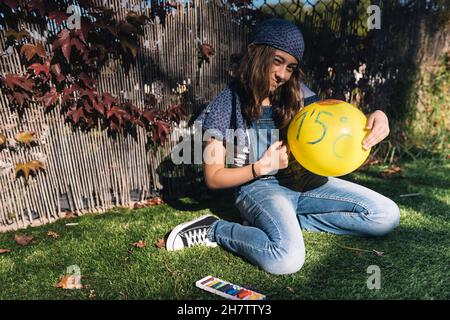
[{"x": 378, "y": 123}]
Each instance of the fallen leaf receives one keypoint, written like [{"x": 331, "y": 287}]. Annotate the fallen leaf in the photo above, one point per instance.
[
  {"x": 138, "y": 205},
  {"x": 140, "y": 244},
  {"x": 69, "y": 214},
  {"x": 53, "y": 234},
  {"x": 154, "y": 201},
  {"x": 390, "y": 172},
  {"x": 160, "y": 243},
  {"x": 23, "y": 240},
  {"x": 69, "y": 281},
  {"x": 4, "y": 251}
]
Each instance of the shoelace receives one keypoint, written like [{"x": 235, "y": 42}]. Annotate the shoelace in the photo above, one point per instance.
[{"x": 196, "y": 236}]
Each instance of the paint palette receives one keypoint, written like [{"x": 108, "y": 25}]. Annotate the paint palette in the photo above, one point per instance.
[{"x": 227, "y": 289}]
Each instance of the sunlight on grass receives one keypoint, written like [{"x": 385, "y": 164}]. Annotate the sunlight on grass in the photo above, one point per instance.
[{"x": 414, "y": 263}]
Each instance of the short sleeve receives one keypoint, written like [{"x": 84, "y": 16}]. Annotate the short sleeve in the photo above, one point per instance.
[{"x": 216, "y": 116}]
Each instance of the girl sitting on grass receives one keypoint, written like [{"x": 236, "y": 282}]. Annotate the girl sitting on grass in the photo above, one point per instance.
[{"x": 247, "y": 123}]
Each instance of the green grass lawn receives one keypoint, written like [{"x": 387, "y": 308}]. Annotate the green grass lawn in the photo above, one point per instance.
[{"x": 415, "y": 263}]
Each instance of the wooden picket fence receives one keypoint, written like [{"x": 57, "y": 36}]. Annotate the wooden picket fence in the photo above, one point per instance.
[{"x": 89, "y": 171}]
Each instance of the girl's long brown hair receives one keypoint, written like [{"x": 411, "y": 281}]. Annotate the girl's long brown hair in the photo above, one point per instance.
[{"x": 253, "y": 84}]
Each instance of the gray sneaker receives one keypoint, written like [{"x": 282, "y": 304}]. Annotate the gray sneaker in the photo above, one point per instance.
[{"x": 191, "y": 233}]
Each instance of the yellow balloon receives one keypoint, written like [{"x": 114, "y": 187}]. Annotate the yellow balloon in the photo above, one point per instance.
[{"x": 326, "y": 137}]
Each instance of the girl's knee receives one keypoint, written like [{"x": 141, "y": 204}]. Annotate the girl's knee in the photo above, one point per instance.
[
  {"x": 386, "y": 219},
  {"x": 285, "y": 261}
]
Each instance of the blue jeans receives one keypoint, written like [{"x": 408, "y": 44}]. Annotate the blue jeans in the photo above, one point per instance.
[{"x": 277, "y": 215}]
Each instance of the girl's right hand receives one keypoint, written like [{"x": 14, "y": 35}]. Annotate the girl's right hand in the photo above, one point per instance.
[{"x": 275, "y": 158}]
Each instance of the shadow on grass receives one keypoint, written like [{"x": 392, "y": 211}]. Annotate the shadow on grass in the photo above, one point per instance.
[
  {"x": 426, "y": 203},
  {"x": 413, "y": 266},
  {"x": 219, "y": 202}
]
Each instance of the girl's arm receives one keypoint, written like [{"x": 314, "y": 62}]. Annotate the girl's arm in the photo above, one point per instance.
[{"x": 218, "y": 177}]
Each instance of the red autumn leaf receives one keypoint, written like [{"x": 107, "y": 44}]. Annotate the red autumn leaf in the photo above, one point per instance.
[
  {"x": 13, "y": 81},
  {"x": 138, "y": 122},
  {"x": 63, "y": 42},
  {"x": 76, "y": 114},
  {"x": 98, "y": 106},
  {"x": 115, "y": 127},
  {"x": 56, "y": 70},
  {"x": 68, "y": 93},
  {"x": 108, "y": 100},
  {"x": 160, "y": 243},
  {"x": 19, "y": 97},
  {"x": 160, "y": 131},
  {"x": 116, "y": 112},
  {"x": 88, "y": 81},
  {"x": 75, "y": 41},
  {"x": 207, "y": 51},
  {"x": 140, "y": 244},
  {"x": 175, "y": 112},
  {"x": 4, "y": 251},
  {"x": 149, "y": 115},
  {"x": 50, "y": 97},
  {"x": 30, "y": 50},
  {"x": 23, "y": 240},
  {"x": 38, "y": 68},
  {"x": 163, "y": 128},
  {"x": 58, "y": 16}
]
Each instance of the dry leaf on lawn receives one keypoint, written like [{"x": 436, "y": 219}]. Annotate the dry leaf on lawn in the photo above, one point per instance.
[
  {"x": 53, "y": 234},
  {"x": 4, "y": 251},
  {"x": 69, "y": 214},
  {"x": 154, "y": 201},
  {"x": 70, "y": 281},
  {"x": 390, "y": 172},
  {"x": 23, "y": 240},
  {"x": 160, "y": 243},
  {"x": 140, "y": 244},
  {"x": 148, "y": 203}
]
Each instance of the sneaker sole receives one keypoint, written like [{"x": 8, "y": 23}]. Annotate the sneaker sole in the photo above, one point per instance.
[{"x": 178, "y": 228}]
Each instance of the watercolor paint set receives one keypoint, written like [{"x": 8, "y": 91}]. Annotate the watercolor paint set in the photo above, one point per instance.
[{"x": 227, "y": 289}]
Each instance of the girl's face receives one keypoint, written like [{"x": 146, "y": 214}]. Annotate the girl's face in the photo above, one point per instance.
[{"x": 283, "y": 66}]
